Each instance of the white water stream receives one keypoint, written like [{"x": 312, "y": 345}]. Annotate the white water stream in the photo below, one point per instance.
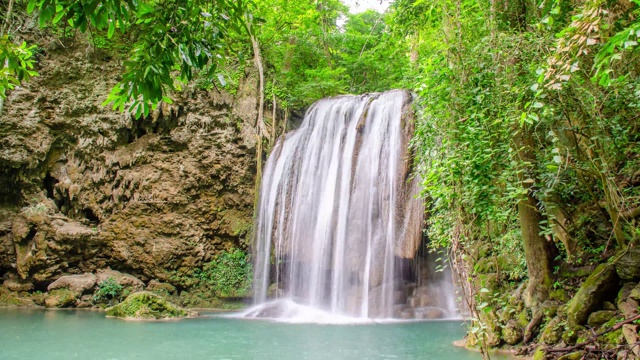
[{"x": 337, "y": 210}]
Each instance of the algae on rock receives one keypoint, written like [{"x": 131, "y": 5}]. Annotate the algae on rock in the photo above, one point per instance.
[{"x": 147, "y": 305}]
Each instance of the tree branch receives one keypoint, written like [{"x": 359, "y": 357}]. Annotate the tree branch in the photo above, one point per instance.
[{"x": 593, "y": 339}]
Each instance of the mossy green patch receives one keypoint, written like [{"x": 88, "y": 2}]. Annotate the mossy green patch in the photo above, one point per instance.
[{"x": 147, "y": 305}]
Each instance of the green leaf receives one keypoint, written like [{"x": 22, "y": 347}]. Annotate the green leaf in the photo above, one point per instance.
[{"x": 112, "y": 29}]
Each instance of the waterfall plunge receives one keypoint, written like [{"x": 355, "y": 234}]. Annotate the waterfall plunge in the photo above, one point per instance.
[{"x": 337, "y": 210}]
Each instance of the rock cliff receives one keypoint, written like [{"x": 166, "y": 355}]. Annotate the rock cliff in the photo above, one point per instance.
[{"x": 84, "y": 188}]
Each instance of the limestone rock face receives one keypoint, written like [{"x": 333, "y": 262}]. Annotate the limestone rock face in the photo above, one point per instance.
[
  {"x": 600, "y": 286},
  {"x": 84, "y": 187},
  {"x": 157, "y": 286},
  {"x": 17, "y": 285},
  {"x": 78, "y": 284}
]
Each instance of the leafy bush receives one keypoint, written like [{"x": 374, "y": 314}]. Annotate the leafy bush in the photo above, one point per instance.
[
  {"x": 108, "y": 290},
  {"x": 228, "y": 275}
]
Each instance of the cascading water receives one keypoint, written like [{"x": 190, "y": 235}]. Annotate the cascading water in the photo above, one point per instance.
[{"x": 337, "y": 212}]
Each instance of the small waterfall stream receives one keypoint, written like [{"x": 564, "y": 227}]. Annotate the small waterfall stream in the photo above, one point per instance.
[{"x": 338, "y": 213}]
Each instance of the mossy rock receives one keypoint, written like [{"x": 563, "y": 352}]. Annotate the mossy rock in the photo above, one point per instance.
[
  {"x": 559, "y": 294},
  {"x": 596, "y": 289},
  {"x": 571, "y": 333},
  {"x": 628, "y": 266},
  {"x": 512, "y": 333},
  {"x": 147, "y": 305},
  {"x": 552, "y": 333},
  {"x": 60, "y": 298},
  {"x": 577, "y": 355},
  {"x": 11, "y": 299},
  {"x": 600, "y": 317},
  {"x": 539, "y": 354}
]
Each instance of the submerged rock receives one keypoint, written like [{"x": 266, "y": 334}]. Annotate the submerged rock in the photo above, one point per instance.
[{"x": 147, "y": 305}]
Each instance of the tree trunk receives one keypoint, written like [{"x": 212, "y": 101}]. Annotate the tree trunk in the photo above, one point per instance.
[{"x": 539, "y": 252}]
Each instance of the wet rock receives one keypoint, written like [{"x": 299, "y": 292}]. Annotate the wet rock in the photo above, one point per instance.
[
  {"x": 407, "y": 314},
  {"x": 596, "y": 289},
  {"x": 78, "y": 284},
  {"x": 628, "y": 266},
  {"x": 512, "y": 333},
  {"x": 147, "y": 305},
  {"x": 430, "y": 313},
  {"x": 598, "y": 318},
  {"x": 160, "y": 287},
  {"x": 17, "y": 285},
  {"x": 60, "y": 298}
]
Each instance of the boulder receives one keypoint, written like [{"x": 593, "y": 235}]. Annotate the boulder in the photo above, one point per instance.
[
  {"x": 596, "y": 289},
  {"x": 78, "y": 284},
  {"x": 126, "y": 280},
  {"x": 512, "y": 333},
  {"x": 160, "y": 287},
  {"x": 60, "y": 298},
  {"x": 147, "y": 305},
  {"x": 552, "y": 333},
  {"x": 628, "y": 307},
  {"x": 600, "y": 317},
  {"x": 17, "y": 285},
  {"x": 628, "y": 266}
]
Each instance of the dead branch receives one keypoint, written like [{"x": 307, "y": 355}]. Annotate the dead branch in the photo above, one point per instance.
[{"x": 593, "y": 339}]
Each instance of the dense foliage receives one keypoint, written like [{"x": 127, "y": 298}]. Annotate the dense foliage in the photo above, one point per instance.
[{"x": 228, "y": 275}]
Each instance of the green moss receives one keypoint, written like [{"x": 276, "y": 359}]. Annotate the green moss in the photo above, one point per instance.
[
  {"x": 539, "y": 354},
  {"x": 10, "y": 298},
  {"x": 60, "y": 298},
  {"x": 146, "y": 305}
]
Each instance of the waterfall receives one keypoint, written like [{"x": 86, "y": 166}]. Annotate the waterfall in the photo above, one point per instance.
[{"x": 338, "y": 211}]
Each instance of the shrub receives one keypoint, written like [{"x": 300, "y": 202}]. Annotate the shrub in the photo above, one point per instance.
[
  {"x": 228, "y": 275},
  {"x": 108, "y": 290}
]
